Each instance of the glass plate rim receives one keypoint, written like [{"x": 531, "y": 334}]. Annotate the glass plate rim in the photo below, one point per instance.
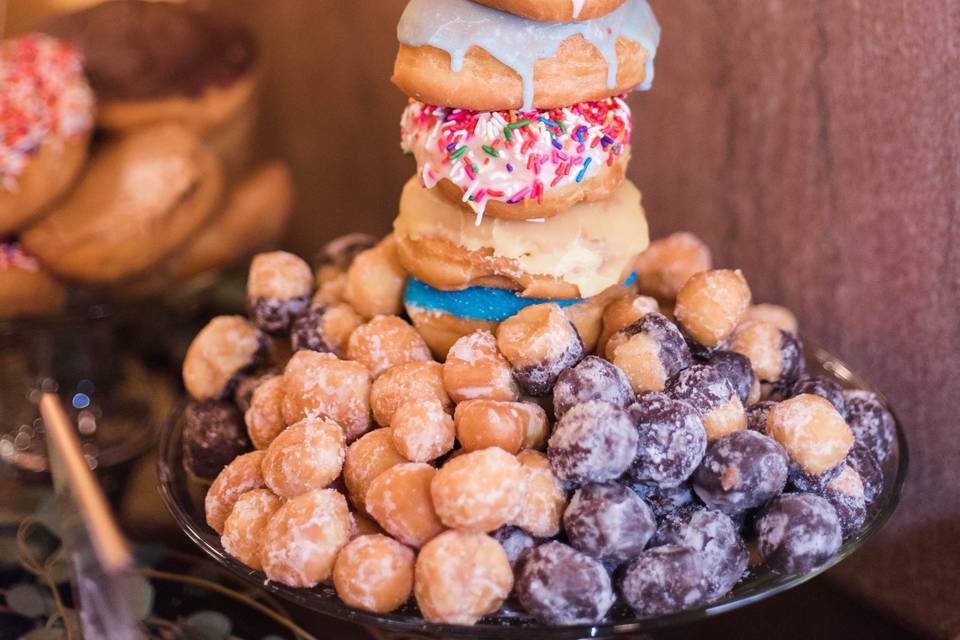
[{"x": 209, "y": 543}]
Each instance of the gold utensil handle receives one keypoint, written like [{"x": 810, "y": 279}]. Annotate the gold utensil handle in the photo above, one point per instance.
[{"x": 109, "y": 544}]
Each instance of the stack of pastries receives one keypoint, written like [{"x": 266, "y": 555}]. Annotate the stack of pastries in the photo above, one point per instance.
[
  {"x": 500, "y": 409},
  {"x": 165, "y": 191},
  {"x": 521, "y": 134}
]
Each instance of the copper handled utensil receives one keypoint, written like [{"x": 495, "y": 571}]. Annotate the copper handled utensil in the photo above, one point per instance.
[{"x": 100, "y": 558}]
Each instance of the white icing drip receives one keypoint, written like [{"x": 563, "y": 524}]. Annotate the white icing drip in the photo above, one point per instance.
[
  {"x": 577, "y": 8},
  {"x": 456, "y": 25}
]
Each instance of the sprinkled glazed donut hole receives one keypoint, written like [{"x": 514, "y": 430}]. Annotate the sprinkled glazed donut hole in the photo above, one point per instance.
[
  {"x": 238, "y": 477},
  {"x": 649, "y": 352},
  {"x": 814, "y": 434},
  {"x": 539, "y": 342},
  {"x": 368, "y": 457},
  {"x": 305, "y": 456},
  {"x": 669, "y": 262},
  {"x": 479, "y": 490},
  {"x": 461, "y": 576},
  {"x": 491, "y": 423},
  {"x": 264, "y": 418},
  {"x": 304, "y": 536},
  {"x": 220, "y": 354},
  {"x": 711, "y": 304},
  {"x": 374, "y": 573},
  {"x": 410, "y": 381},
  {"x": 779, "y": 316},
  {"x": 324, "y": 328},
  {"x": 399, "y": 500},
  {"x": 712, "y": 396},
  {"x": 338, "y": 254},
  {"x": 620, "y": 314},
  {"x": 322, "y": 385},
  {"x": 279, "y": 286},
  {"x": 544, "y": 498},
  {"x": 422, "y": 430},
  {"x": 375, "y": 281},
  {"x": 243, "y": 529},
  {"x": 385, "y": 342},
  {"x": 776, "y": 355},
  {"x": 475, "y": 369}
]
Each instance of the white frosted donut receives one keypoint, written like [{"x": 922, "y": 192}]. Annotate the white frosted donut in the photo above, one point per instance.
[
  {"x": 555, "y": 10},
  {"x": 462, "y": 54}
]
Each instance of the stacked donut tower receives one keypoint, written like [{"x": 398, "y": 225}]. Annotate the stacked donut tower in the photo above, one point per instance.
[
  {"x": 521, "y": 135},
  {"x": 413, "y": 420}
]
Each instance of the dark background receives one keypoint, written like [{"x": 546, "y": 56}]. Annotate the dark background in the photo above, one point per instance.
[{"x": 813, "y": 143}]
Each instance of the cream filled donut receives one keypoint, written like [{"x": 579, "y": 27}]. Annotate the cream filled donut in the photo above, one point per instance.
[
  {"x": 461, "y": 54},
  {"x": 520, "y": 164},
  {"x": 575, "y": 254},
  {"x": 443, "y": 317},
  {"x": 555, "y": 10},
  {"x": 46, "y": 113}
]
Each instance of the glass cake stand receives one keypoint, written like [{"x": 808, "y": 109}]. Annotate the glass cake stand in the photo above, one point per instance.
[{"x": 184, "y": 499}]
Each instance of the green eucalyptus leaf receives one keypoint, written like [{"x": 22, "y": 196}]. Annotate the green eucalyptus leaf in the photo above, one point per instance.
[
  {"x": 48, "y": 513},
  {"x": 29, "y": 600},
  {"x": 207, "y": 625},
  {"x": 141, "y": 595}
]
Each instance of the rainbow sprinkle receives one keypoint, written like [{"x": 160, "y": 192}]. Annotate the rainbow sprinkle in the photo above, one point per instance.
[
  {"x": 514, "y": 156},
  {"x": 42, "y": 91}
]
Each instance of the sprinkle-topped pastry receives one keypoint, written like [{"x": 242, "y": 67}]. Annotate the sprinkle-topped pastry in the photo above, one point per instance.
[
  {"x": 26, "y": 289},
  {"x": 515, "y": 157},
  {"x": 43, "y": 92},
  {"x": 12, "y": 256}
]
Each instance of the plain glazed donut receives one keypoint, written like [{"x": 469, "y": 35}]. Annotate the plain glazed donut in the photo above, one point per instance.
[
  {"x": 576, "y": 254},
  {"x": 46, "y": 113},
  {"x": 460, "y": 54},
  {"x": 555, "y": 10},
  {"x": 140, "y": 198},
  {"x": 520, "y": 164}
]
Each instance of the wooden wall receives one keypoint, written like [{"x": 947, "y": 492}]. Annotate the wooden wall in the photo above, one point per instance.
[
  {"x": 813, "y": 143},
  {"x": 816, "y": 144}
]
